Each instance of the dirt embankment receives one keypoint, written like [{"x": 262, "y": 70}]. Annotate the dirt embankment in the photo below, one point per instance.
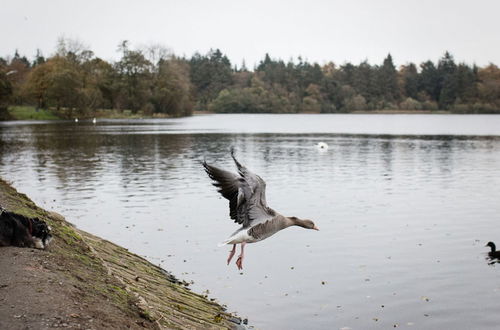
[{"x": 82, "y": 281}]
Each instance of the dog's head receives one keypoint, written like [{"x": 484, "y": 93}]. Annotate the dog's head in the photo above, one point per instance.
[{"x": 41, "y": 233}]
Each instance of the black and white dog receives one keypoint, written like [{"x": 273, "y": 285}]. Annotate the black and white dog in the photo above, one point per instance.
[{"x": 18, "y": 230}]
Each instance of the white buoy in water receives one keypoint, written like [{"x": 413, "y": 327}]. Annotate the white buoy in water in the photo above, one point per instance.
[
  {"x": 94, "y": 121},
  {"x": 322, "y": 146},
  {"x": 76, "y": 120}
]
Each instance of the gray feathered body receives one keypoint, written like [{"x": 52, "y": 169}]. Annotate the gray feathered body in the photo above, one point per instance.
[{"x": 260, "y": 231}]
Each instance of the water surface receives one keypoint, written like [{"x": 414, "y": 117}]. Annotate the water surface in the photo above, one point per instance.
[{"x": 405, "y": 204}]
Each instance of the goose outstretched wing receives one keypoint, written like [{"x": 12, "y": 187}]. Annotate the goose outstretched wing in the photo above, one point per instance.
[{"x": 245, "y": 191}]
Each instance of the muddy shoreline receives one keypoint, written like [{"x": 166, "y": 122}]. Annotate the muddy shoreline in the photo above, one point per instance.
[{"x": 85, "y": 282}]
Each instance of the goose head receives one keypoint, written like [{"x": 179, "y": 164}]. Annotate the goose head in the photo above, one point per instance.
[{"x": 304, "y": 223}]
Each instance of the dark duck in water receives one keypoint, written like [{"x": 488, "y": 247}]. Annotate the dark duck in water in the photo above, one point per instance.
[{"x": 493, "y": 253}]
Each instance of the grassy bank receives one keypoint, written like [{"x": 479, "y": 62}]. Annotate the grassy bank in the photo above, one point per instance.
[
  {"x": 30, "y": 113},
  {"x": 94, "y": 274},
  {"x": 27, "y": 112}
]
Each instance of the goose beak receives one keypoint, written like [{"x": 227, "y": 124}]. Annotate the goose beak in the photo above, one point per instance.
[{"x": 315, "y": 228}]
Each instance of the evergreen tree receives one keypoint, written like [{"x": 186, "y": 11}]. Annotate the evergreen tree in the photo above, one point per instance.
[
  {"x": 39, "y": 59},
  {"x": 364, "y": 81},
  {"x": 346, "y": 74},
  {"x": 410, "y": 80},
  {"x": 467, "y": 79},
  {"x": 20, "y": 59},
  {"x": 388, "y": 81},
  {"x": 447, "y": 82},
  {"x": 210, "y": 74},
  {"x": 429, "y": 80}
]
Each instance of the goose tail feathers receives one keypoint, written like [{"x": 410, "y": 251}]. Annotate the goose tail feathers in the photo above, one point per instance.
[{"x": 223, "y": 243}]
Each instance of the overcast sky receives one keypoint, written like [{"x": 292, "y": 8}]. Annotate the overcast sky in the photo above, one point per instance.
[{"x": 319, "y": 31}]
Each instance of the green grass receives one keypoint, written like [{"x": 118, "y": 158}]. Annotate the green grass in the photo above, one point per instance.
[
  {"x": 29, "y": 112},
  {"x": 18, "y": 112}
]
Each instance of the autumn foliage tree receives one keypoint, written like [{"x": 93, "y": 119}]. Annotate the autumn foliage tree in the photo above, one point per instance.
[{"x": 5, "y": 92}]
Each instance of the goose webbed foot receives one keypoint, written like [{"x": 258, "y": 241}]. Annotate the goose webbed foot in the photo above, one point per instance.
[
  {"x": 231, "y": 254},
  {"x": 239, "y": 261}
]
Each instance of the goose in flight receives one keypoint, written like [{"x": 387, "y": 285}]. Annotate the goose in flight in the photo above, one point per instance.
[{"x": 246, "y": 193}]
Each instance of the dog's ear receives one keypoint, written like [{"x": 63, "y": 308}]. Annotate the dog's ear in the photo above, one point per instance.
[{"x": 40, "y": 228}]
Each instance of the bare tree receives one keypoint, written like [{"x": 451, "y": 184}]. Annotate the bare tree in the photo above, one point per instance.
[
  {"x": 73, "y": 49},
  {"x": 157, "y": 53}
]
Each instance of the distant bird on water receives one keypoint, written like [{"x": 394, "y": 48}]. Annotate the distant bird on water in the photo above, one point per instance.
[
  {"x": 94, "y": 121},
  {"x": 493, "y": 253},
  {"x": 322, "y": 146},
  {"x": 246, "y": 193},
  {"x": 76, "y": 120}
]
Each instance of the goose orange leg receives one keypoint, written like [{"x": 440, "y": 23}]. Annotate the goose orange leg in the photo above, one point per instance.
[
  {"x": 231, "y": 254},
  {"x": 239, "y": 261}
]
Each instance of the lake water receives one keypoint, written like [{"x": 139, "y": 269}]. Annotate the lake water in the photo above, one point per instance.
[{"x": 404, "y": 203}]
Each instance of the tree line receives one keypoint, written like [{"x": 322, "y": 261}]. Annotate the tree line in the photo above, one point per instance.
[{"x": 74, "y": 82}]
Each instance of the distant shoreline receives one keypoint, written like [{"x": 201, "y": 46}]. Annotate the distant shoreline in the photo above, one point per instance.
[
  {"x": 30, "y": 113},
  {"x": 364, "y": 112},
  {"x": 406, "y": 112}
]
